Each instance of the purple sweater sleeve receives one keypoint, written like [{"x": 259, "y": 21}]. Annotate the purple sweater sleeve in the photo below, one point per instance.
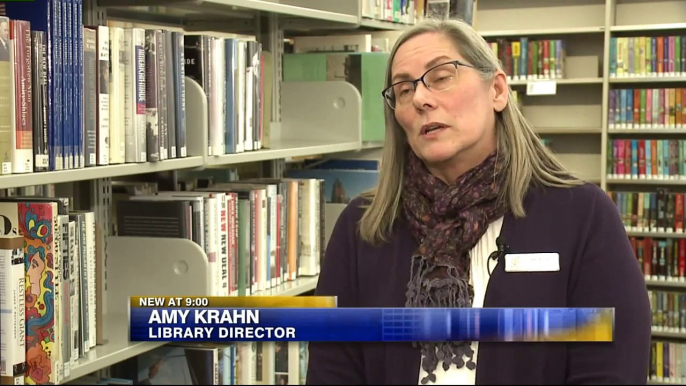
[
  {"x": 338, "y": 363},
  {"x": 608, "y": 275}
]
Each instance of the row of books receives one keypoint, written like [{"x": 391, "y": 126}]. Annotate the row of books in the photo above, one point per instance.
[
  {"x": 667, "y": 362},
  {"x": 49, "y": 269},
  {"x": 530, "y": 59},
  {"x": 645, "y": 108},
  {"x": 257, "y": 234},
  {"x": 236, "y": 76},
  {"x": 661, "y": 259},
  {"x": 231, "y": 363},
  {"x": 659, "y": 211},
  {"x": 648, "y": 56},
  {"x": 396, "y": 11},
  {"x": 657, "y": 159},
  {"x": 124, "y": 100},
  {"x": 668, "y": 311}
]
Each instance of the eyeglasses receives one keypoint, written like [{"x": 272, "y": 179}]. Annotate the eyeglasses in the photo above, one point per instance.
[{"x": 440, "y": 78}]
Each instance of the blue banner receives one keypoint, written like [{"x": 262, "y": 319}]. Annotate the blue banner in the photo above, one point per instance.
[{"x": 370, "y": 324}]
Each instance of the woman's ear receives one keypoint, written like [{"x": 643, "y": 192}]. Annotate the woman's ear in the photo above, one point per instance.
[{"x": 501, "y": 91}]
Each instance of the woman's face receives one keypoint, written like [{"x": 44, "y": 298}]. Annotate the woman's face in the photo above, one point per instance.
[{"x": 462, "y": 116}]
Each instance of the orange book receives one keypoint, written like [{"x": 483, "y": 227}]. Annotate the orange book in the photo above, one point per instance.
[{"x": 653, "y": 156}]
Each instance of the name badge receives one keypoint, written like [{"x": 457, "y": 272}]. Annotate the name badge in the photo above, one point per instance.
[{"x": 532, "y": 262}]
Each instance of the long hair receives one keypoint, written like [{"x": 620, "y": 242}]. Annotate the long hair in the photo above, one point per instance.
[{"x": 526, "y": 161}]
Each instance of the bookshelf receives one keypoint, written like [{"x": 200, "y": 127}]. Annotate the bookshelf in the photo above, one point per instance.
[
  {"x": 578, "y": 118},
  {"x": 575, "y": 117},
  {"x": 306, "y": 119}
]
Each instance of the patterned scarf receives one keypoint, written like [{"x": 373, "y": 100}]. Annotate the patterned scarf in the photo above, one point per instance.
[{"x": 447, "y": 222}]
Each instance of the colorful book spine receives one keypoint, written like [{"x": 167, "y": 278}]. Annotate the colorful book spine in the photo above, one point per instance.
[
  {"x": 647, "y": 108},
  {"x": 648, "y": 56}
]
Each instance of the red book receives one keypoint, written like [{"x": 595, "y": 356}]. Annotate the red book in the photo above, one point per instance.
[
  {"x": 679, "y": 212},
  {"x": 682, "y": 257},
  {"x": 546, "y": 58},
  {"x": 647, "y": 256}
]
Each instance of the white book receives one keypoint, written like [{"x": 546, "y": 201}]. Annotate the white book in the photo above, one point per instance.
[
  {"x": 309, "y": 256},
  {"x": 217, "y": 96},
  {"x": 82, "y": 290},
  {"x": 135, "y": 97},
  {"x": 74, "y": 295},
  {"x": 12, "y": 307},
  {"x": 91, "y": 267},
  {"x": 63, "y": 319},
  {"x": 117, "y": 95},
  {"x": 247, "y": 368},
  {"x": 249, "y": 95},
  {"x": 103, "y": 86},
  {"x": 240, "y": 95}
]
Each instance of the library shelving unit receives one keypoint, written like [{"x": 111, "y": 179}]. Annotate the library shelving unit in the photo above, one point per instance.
[
  {"x": 576, "y": 112},
  {"x": 650, "y": 21},
  {"x": 567, "y": 111},
  {"x": 307, "y": 119}
]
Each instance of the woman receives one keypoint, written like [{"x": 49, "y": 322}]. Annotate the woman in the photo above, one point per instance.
[{"x": 463, "y": 175}]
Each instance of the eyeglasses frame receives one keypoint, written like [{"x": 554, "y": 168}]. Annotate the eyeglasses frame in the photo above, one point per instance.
[{"x": 421, "y": 79}]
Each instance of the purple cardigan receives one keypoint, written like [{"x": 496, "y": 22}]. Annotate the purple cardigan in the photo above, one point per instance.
[{"x": 597, "y": 269}]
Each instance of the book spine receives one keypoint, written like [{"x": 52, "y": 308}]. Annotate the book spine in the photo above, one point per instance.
[
  {"x": 6, "y": 107},
  {"x": 180, "y": 93},
  {"x": 90, "y": 97},
  {"x": 13, "y": 315},
  {"x": 67, "y": 85},
  {"x": 103, "y": 86},
  {"x": 39, "y": 101},
  {"x": 171, "y": 96},
  {"x": 162, "y": 95},
  {"x": 151, "y": 93},
  {"x": 140, "y": 117},
  {"x": 22, "y": 150},
  {"x": 79, "y": 105},
  {"x": 129, "y": 96}
]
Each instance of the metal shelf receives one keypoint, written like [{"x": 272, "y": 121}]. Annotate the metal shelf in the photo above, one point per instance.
[
  {"x": 568, "y": 130},
  {"x": 56, "y": 177},
  {"x": 668, "y": 335},
  {"x": 118, "y": 349},
  {"x": 382, "y": 24},
  {"x": 647, "y": 131},
  {"x": 666, "y": 284},
  {"x": 226, "y": 15},
  {"x": 657, "y": 235},
  {"x": 634, "y": 181},
  {"x": 565, "y": 81},
  {"x": 285, "y": 149},
  {"x": 297, "y": 287},
  {"x": 543, "y": 32},
  {"x": 648, "y": 27},
  {"x": 647, "y": 79}
]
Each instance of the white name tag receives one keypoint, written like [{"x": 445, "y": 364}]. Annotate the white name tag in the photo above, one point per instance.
[{"x": 532, "y": 262}]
